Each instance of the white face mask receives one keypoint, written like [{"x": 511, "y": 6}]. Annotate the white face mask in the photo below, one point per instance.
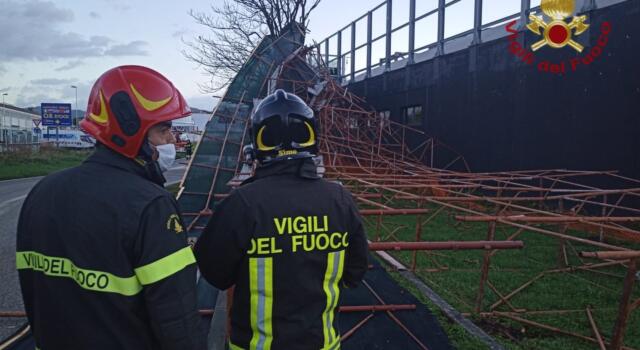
[{"x": 166, "y": 156}]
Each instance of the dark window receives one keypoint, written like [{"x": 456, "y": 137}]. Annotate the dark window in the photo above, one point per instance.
[
  {"x": 353, "y": 122},
  {"x": 384, "y": 117},
  {"x": 412, "y": 115}
]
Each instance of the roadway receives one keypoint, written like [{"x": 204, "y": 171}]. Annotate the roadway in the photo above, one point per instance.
[{"x": 12, "y": 195}]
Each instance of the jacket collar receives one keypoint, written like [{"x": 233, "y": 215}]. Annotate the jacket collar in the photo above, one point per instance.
[
  {"x": 105, "y": 156},
  {"x": 304, "y": 168}
]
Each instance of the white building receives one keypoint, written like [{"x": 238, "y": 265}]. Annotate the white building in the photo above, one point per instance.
[
  {"x": 16, "y": 125},
  {"x": 192, "y": 126}
]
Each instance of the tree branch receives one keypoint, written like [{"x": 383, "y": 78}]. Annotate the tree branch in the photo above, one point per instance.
[{"x": 235, "y": 29}]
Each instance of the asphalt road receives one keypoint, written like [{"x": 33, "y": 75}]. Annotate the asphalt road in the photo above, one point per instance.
[{"x": 12, "y": 195}]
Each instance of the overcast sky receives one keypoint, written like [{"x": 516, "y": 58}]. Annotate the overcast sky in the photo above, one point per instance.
[{"x": 45, "y": 46}]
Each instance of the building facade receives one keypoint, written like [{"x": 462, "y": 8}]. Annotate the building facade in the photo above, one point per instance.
[
  {"x": 501, "y": 113},
  {"x": 17, "y": 125}
]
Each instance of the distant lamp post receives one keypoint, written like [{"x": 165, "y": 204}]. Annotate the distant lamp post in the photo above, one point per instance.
[
  {"x": 4, "y": 107},
  {"x": 73, "y": 122}
]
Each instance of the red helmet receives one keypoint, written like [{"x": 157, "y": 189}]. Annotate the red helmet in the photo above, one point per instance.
[{"x": 125, "y": 102}]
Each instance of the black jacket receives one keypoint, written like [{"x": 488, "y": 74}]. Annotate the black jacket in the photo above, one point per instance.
[
  {"x": 288, "y": 241},
  {"x": 104, "y": 263}
]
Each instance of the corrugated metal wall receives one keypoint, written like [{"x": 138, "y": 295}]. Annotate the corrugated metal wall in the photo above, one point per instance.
[{"x": 502, "y": 114}]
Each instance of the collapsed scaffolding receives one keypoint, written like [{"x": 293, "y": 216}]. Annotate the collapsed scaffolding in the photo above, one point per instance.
[
  {"x": 393, "y": 175},
  {"x": 371, "y": 156},
  {"x": 217, "y": 166},
  {"x": 396, "y": 178}
]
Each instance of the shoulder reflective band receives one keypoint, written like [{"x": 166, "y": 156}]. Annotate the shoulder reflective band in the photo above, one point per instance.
[
  {"x": 333, "y": 274},
  {"x": 165, "y": 267},
  {"x": 98, "y": 281},
  {"x": 261, "y": 294}
]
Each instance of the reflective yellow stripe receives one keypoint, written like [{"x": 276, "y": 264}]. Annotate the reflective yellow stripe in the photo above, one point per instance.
[
  {"x": 165, "y": 267},
  {"x": 94, "y": 280},
  {"x": 253, "y": 295},
  {"x": 332, "y": 276},
  {"x": 336, "y": 287},
  {"x": 268, "y": 305},
  {"x": 234, "y": 347},
  {"x": 261, "y": 295},
  {"x": 334, "y": 346},
  {"x": 325, "y": 286}
]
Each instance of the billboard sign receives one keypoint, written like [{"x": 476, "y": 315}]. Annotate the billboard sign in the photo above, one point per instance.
[{"x": 55, "y": 114}]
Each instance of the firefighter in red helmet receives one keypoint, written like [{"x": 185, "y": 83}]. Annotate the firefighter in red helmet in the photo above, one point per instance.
[{"x": 101, "y": 248}]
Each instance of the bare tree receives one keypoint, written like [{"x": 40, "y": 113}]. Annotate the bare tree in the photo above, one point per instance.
[{"x": 236, "y": 29}]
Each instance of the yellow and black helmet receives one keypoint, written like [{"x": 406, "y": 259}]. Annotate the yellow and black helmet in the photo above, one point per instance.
[{"x": 283, "y": 127}]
